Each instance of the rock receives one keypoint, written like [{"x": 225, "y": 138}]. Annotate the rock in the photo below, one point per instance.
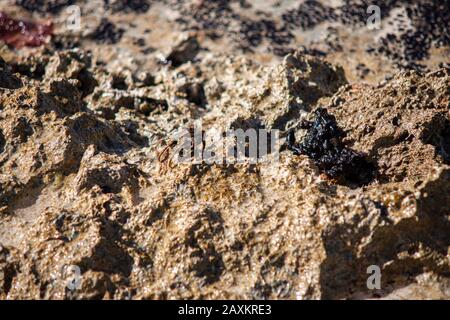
[
  {"x": 408, "y": 116},
  {"x": 185, "y": 50},
  {"x": 293, "y": 87},
  {"x": 72, "y": 64},
  {"x": 42, "y": 136},
  {"x": 7, "y": 79}
]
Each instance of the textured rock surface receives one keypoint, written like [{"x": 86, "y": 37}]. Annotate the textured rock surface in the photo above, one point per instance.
[
  {"x": 88, "y": 181},
  {"x": 82, "y": 188}
]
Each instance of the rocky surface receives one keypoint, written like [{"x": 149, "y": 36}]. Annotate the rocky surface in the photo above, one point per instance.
[{"x": 87, "y": 177}]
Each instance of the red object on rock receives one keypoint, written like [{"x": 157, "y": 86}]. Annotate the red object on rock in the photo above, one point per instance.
[{"x": 19, "y": 33}]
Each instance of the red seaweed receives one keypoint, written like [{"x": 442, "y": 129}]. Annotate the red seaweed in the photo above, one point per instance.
[{"x": 20, "y": 33}]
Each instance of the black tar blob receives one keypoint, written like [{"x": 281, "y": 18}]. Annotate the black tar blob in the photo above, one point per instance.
[{"x": 323, "y": 144}]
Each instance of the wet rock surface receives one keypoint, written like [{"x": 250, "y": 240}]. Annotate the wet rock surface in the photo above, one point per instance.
[{"x": 84, "y": 188}]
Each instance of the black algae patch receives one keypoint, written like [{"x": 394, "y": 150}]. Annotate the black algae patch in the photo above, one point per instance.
[
  {"x": 323, "y": 144},
  {"x": 107, "y": 32},
  {"x": 138, "y": 6},
  {"x": 43, "y": 6}
]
